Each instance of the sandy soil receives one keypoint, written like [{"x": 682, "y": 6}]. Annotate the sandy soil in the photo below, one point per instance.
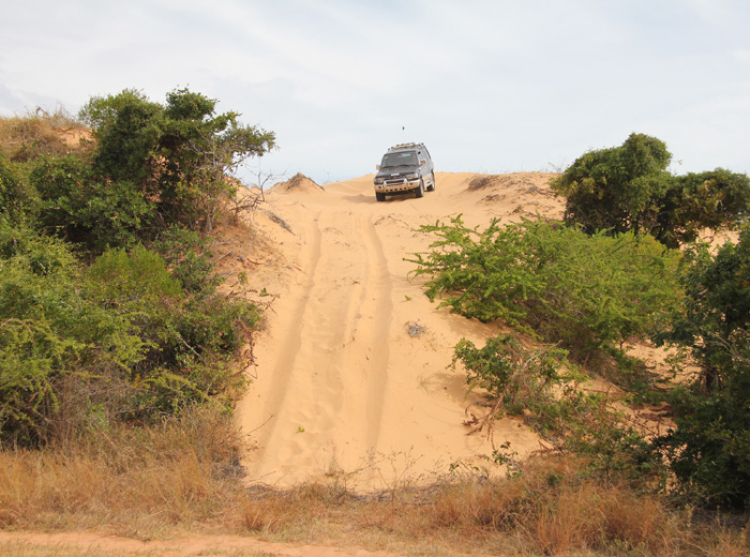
[
  {"x": 352, "y": 380},
  {"x": 90, "y": 544}
]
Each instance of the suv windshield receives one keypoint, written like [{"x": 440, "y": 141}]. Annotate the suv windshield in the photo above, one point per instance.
[{"x": 390, "y": 160}]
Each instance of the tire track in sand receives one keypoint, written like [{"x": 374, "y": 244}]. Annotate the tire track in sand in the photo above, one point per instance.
[
  {"x": 288, "y": 352},
  {"x": 376, "y": 302},
  {"x": 328, "y": 385}
]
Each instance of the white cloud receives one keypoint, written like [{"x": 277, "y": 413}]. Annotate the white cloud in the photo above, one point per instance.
[{"x": 489, "y": 85}]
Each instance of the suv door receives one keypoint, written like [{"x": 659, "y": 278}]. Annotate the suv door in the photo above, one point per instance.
[{"x": 427, "y": 169}]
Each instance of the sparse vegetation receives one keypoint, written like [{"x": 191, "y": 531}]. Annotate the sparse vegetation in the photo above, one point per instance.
[
  {"x": 117, "y": 374},
  {"x": 183, "y": 475},
  {"x": 513, "y": 376}
]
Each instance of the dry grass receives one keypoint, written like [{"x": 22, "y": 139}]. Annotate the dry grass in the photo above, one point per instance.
[
  {"x": 176, "y": 473},
  {"x": 183, "y": 476},
  {"x": 23, "y": 138}
]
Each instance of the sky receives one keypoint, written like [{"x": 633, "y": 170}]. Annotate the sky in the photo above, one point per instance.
[{"x": 489, "y": 86}]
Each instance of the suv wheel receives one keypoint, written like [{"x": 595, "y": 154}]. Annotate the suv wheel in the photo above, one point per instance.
[
  {"x": 379, "y": 196},
  {"x": 432, "y": 186},
  {"x": 420, "y": 189}
]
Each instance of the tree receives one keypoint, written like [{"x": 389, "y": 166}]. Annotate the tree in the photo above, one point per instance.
[
  {"x": 714, "y": 199},
  {"x": 615, "y": 189},
  {"x": 628, "y": 188},
  {"x": 181, "y": 155},
  {"x": 710, "y": 448}
]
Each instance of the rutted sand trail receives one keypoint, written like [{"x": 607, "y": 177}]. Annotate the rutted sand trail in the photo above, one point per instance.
[{"x": 351, "y": 373}]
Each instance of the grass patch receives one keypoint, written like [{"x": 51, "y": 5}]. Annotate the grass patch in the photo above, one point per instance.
[{"x": 183, "y": 475}]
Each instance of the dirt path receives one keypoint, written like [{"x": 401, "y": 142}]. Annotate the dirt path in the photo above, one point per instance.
[
  {"x": 99, "y": 545},
  {"x": 352, "y": 379}
]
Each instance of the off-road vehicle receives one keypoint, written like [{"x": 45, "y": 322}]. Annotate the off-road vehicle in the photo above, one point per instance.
[{"x": 406, "y": 167}]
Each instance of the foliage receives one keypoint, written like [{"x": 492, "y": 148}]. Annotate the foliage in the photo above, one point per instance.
[
  {"x": 179, "y": 155},
  {"x": 84, "y": 208},
  {"x": 715, "y": 199},
  {"x": 187, "y": 256},
  {"x": 590, "y": 292},
  {"x": 119, "y": 341},
  {"x": 17, "y": 199},
  {"x": 613, "y": 189},
  {"x": 139, "y": 333},
  {"x": 51, "y": 336},
  {"x": 519, "y": 380},
  {"x": 628, "y": 188},
  {"x": 189, "y": 335},
  {"x": 127, "y": 130},
  {"x": 710, "y": 447},
  {"x": 512, "y": 375}
]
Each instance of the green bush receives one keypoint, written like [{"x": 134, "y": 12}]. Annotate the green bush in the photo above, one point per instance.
[
  {"x": 180, "y": 154},
  {"x": 52, "y": 339},
  {"x": 541, "y": 384},
  {"x": 514, "y": 376},
  {"x": 118, "y": 341},
  {"x": 17, "y": 199},
  {"x": 191, "y": 336},
  {"x": 187, "y": 255},
  {"x": 709, "y": 450},
  {"x": 591, "y": 292},
  {"x": 138, "y": 276},
  {"x": 628, "y": 188},
  {"x": 84, "y": 208}
]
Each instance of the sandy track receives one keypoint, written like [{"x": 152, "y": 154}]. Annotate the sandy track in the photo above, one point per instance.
[
  {"x": 351, "y": 378},
  {"x": 322, "y": 390},
  {"x": 91, "y": 543}
]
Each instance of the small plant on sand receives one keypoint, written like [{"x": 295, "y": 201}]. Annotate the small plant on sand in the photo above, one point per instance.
[{"x": 512, "y": 375}]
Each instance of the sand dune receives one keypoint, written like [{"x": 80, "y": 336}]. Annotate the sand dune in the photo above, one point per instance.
[{"x": 351, "y": 381}]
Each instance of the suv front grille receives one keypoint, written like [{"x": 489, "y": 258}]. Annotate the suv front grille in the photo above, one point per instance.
[{"x": 394, "y": 181}]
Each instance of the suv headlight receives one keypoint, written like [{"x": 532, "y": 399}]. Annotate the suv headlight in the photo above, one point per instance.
[
  {"x": 379, "y": 180},
  {"x": 412, "y": 176}
]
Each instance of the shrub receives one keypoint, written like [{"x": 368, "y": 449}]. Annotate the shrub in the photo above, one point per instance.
[
  {"x": 84, "y": 208},
  {"x": 120, "y": 341},
  {"x": 628, "y": 188},
  {"x": 51, "y": 338},
  {"x": 512, "y": 375},
  {"x": 709, "y": 449},
  {"x": 190, "y": 336},
  {"x": 179, "y": 154},
  {"x": 187, "y": 255},
  {"x": 17, "y": 199},
  {"x": 590, "y": 292}
]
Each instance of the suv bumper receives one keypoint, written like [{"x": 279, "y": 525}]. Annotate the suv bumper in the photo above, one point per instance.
[{"x": 395, "y": 187}]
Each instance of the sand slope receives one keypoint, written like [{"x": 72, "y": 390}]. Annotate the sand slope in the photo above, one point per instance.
[{"x": 351, "y": 381}]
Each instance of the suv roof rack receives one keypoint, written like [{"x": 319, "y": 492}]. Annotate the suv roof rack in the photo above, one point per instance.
[{"x": 406, "y": 146}]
